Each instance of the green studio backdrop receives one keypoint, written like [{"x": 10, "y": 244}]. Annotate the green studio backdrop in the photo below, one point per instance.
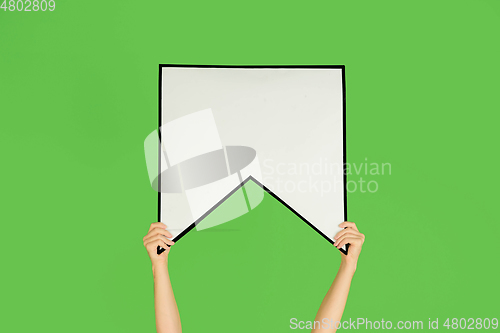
[{"x": 79, "y": 93}]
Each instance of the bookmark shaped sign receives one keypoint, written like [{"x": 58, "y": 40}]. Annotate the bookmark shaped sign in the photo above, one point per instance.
[{"x": 282, "y": 127}]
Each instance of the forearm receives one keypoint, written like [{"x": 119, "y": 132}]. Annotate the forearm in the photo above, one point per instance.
[
  {"x": 333, "y": 304},
  {"x": 166, "y": 312}
]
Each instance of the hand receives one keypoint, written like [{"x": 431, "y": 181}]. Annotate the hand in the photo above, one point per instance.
[
  {"x": 158, "y": 236},
  {"x": 352, "y": 236}
]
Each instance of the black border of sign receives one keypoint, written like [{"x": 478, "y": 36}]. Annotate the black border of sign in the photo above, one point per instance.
[{"x": 344, "y": 125}]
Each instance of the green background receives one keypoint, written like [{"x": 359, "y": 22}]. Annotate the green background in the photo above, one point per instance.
[{"x": 78, "y": 96}]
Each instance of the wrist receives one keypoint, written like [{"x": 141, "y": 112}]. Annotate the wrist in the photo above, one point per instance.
[
  {"x": 348, "y": 267},
  {"x": 159, "y": 266}
]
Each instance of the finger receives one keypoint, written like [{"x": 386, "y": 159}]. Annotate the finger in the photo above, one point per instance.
[
  {"x": 349, "y": 240},
  {"x": 152, "y": 246},
  {"x": 352, "y": 241},
  {"x": 346, "y": 231},
  {"x": 340, "y": 239},
  {"x": 358, "y": 235},
  {"x": 340, "y": 244},
  {"x": 163, "y": 232},
  {"x": 157, "y": 231},
  {"x": 159, "y": 237},
  {"x": 157, "y": 225},
  {"x": 348, "y": 225}
]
